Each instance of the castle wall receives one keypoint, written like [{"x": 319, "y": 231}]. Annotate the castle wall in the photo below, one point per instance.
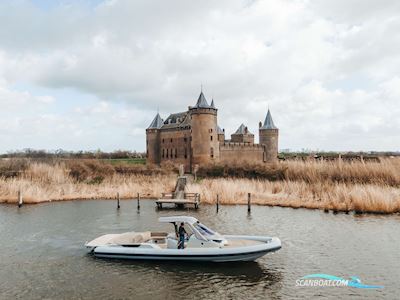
[
  {"x": 175, "y": 147},
  {"x": 241, "y": 153},
  {"x": 153, "y": 146},
  {"x": 242, "y": 138}
]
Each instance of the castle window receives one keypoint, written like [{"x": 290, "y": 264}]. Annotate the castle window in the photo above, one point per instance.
[
  {"x": 212, "y": 152},
  {"x": 184, "y": 139},
  {"x": 163, "y": 140},
  {"x": 211, "y": 138},
  {"x": 176, "y": 153},
  {"x": 185, "y": 152},
  {"x": 163, "y": 153},
  {"x": 171, "y": 140},
  {"x": 167, "y": 154},
  {"x": 210, "y": 130}
]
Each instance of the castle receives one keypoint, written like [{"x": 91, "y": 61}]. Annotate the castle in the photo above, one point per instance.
[{"x": 194, "y": 138}]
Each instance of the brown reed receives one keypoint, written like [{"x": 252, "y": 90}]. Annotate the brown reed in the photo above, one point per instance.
[{"x": 338, "y": 186}]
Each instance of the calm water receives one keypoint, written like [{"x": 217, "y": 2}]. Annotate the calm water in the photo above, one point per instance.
[{"x": 42, "y": 254}]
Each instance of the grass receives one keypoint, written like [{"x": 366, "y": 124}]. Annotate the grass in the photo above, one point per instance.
[{"x": 338, "y": 186}]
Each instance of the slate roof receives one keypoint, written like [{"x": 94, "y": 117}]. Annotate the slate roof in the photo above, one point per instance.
[
  {"x": 177, "y": 120},
  {"x": 202, "y": 102},
  {"x": 269, "y": 123},
  {"x": 242, "y": 130},
  {"x": 212, "y": 104},
  {"x": 156, "y": 123}
]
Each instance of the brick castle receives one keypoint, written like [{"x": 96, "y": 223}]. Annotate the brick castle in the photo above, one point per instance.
[{"x": 194, "y": 138}]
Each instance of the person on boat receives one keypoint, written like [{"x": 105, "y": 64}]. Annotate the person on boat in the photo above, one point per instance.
[{"x": 181, "y": 232}]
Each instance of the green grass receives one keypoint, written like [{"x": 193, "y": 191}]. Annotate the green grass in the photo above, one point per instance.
[{"x": 133, "y": 161}]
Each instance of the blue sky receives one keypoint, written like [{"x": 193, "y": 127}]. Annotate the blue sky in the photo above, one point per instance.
[{"x": 86, "y": 75}]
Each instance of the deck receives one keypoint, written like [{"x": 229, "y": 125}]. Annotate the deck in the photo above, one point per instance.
[{"x": 188, "y": 199}]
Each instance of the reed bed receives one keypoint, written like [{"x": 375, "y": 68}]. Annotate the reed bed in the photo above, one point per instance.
[
  {"x": 338, "y": 186},
  {"x": 300, "y": 194},
  {"x": 46, "y": 182}
]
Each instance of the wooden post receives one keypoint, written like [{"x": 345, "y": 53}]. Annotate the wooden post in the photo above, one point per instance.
[
  {"x": 118, "y": 206},
  {"x": 138, "y": 201},
  {"x": 20, "y": 201},
  {"x": 248, "y": 202},
  {"x": 217, "y": 203}
]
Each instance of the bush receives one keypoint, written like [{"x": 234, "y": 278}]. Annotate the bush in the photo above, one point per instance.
[
  {"x": 271, "y": 172},
  {"x": 12, "y": 167}
]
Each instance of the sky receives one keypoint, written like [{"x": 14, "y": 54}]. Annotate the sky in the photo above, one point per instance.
[{"x": 91, "y": 74}]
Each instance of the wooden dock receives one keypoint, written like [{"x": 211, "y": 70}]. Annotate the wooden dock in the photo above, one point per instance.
[{"x": 188, "y": 199}]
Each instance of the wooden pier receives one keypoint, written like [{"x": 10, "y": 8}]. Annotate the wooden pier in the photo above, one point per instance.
[{"x": 188, "y": 199}]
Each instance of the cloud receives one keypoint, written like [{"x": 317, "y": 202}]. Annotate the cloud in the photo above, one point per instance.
[{"x": 327, "y": 69}]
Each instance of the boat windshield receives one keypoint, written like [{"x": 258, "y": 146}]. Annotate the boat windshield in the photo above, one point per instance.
[{"x": 203, "y": 229}]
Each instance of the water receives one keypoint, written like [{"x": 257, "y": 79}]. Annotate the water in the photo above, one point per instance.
[{"x": 42, "y": 254}]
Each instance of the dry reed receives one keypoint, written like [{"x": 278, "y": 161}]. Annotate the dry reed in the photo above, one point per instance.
[
  {"x": 43, "y": 182},
  {"x": 369, "y": 187},
  {"x": 300, "y": 194}
]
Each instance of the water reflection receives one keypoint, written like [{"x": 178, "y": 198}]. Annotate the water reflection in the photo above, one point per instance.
[
  {"x": 44, "y": 257},
  {"x": 251, "y": 272}
]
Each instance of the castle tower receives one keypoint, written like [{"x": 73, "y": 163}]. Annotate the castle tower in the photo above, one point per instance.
[
  {"x": 269, "y": 134},
  {"x": 153, "y": 140},
  {"x": 205, "y": 144},
  {"x": 242, "y": 135},
  {"x": 221, "y": 134}
]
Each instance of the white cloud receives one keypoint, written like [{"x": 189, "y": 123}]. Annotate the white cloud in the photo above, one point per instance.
[{"x": 328, "y": 69}]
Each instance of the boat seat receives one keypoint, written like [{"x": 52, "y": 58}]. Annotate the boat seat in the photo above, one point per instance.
[{"x": 131, "y": 238}]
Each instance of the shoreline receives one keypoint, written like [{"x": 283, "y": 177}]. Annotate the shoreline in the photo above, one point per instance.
[
  {"x": 338, "y": 187},
  {"x": 325, "y": 210}
]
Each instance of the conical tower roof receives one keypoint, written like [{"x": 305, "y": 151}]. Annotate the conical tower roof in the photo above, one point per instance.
[
  {"x": 156, "y": 123},
  {"x": 202, "y": 102},
  {"x": 269, "y": 123},
  {"x": 212, "y": 104}
]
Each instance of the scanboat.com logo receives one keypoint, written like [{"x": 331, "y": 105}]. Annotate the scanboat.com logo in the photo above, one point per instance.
[{"x": 330, "y": 280}]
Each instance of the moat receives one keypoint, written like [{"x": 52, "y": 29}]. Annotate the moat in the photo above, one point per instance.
[{"x": 42, "y": 253}]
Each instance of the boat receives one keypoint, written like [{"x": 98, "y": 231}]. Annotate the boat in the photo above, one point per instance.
[{"x": 201, "y": 244}]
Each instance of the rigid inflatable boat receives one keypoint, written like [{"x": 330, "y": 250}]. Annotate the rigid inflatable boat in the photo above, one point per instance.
[{"x": 201, "y": 244}]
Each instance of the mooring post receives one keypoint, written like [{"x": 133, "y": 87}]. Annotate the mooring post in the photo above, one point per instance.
[
  {"x": 20, "y": 201},
  {"x": 249, "y": 202},
  {"x": 118, "y": 206},
  {"x": 138, "y": 201},
  {"x": 217, "y": 203}
]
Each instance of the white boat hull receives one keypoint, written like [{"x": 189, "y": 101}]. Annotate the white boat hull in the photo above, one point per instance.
[{"x": 223, "y": 254}]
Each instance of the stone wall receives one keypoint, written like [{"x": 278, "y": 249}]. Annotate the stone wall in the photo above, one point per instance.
[
  {"x": 153, "y": 146},
  {"x": 205, "y": 144},
  {"x": 241, "y": 153},
  {"x": 242, "y": 138},
  {"x": 175, "y": 147}
]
